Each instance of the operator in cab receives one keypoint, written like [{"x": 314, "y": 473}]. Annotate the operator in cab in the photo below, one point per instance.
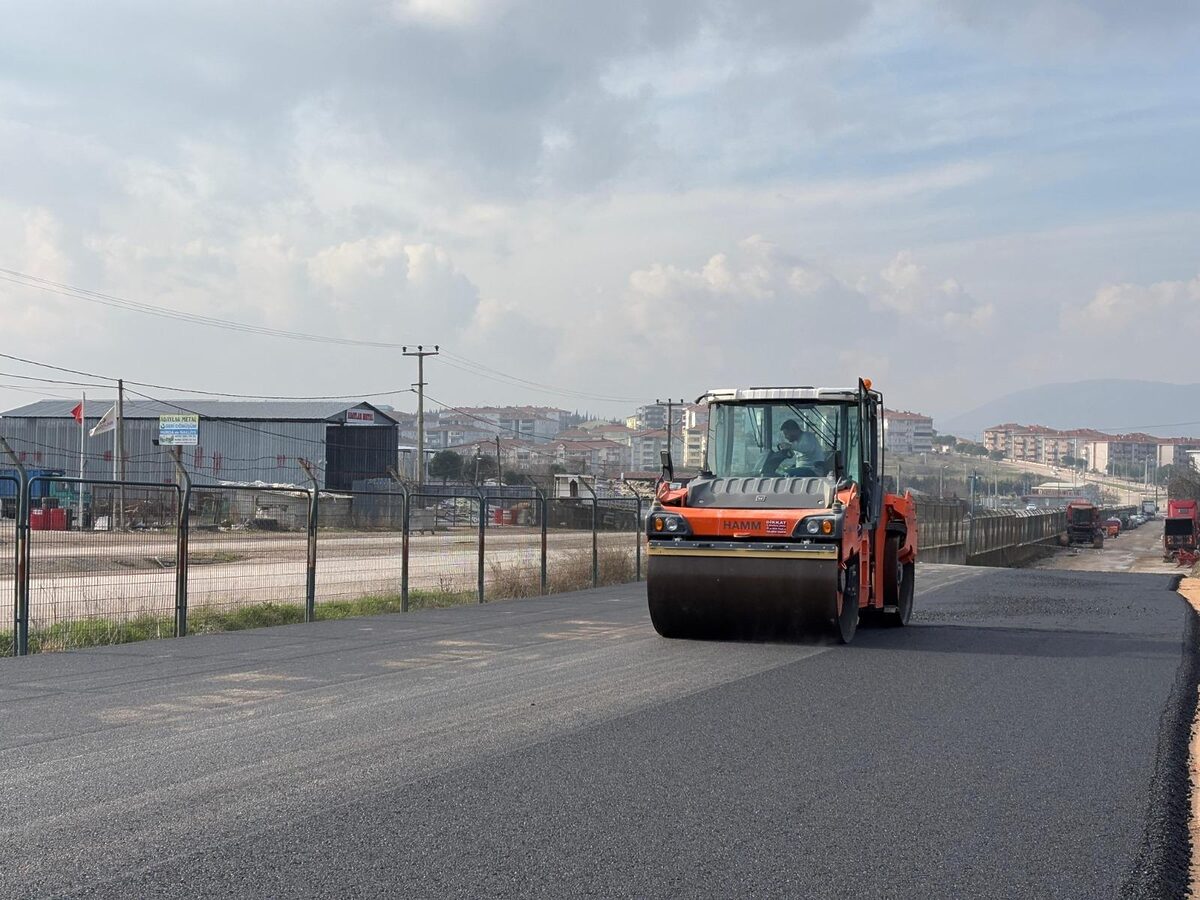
[{"x": 798, "y": 453}]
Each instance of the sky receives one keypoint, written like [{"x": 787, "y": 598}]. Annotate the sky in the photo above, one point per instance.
[{"x": 596, "y": 205}]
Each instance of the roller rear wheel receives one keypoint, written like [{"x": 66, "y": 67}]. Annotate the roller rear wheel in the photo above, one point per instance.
[{"x": 899, "y": 585}]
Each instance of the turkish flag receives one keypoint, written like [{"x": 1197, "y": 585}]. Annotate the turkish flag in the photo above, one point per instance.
[{"x": 77, "y": 413}]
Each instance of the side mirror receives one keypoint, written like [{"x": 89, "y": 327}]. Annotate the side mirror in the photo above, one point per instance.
[
  {"x": 667, "y": 467},
  {"x": 839, "y": 464}
]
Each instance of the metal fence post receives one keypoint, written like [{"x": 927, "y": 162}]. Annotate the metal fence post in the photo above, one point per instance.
[
  {"x": 543, "y": 512},
  {"x": 310, "y": 581},
  {"x": 181, "y": 542},
  {"x": 482, "y": 531},
  {"x": 595, "y": 547},
  {"x": 637, "y": 529},
  {"x": 21, "y": 579},
  {"x": 404, "y": 532}
]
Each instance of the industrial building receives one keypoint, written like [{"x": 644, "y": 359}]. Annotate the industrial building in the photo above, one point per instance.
[{"x": 236, "y": 441}]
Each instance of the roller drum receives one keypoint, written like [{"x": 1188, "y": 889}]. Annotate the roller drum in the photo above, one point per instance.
[{"x": 741, "y": 596}]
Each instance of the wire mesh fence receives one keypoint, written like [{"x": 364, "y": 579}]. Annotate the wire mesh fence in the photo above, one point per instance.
[
  {"x": 360, "y": 541},
  {"x": 10, "y": 488},
  {"x": 443, "y": 562},
  {"x": 571, "y": 563},
  {"x": 247, "y": 546},
  {"x": 108, "y": 577},
  {"x": 513, "y": 547},
  {"x": 104, "y": 557},
  {"x": 619, "y": 537}
]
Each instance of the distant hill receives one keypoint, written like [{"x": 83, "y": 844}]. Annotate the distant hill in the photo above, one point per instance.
[{"x": 1113, "y": 405}]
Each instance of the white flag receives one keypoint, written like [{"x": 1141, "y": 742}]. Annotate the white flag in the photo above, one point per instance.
[{"x": 107, "y": 422}]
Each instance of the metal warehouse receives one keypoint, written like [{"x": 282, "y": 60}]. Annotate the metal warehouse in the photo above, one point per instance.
[{"x": 237, "y": 441}]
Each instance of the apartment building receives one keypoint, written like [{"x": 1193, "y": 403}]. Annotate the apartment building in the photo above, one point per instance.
[
  {"x": 694, "y": 435},
  {"x": 907, "y": 432}
]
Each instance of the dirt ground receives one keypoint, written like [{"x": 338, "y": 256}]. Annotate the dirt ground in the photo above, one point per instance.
[
  {"x": 1137, "y": 550},
  {"x": 77, "y": 575}
]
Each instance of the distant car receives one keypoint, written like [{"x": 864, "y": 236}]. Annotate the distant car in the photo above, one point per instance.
[
  {"x": 1031, "y": 507},
  {"x": 1136, "y": 521},
  {"x": 1112, "y": 527}
]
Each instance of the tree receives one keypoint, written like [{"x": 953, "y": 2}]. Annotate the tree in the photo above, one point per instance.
[
  {"x": 517, "y": 476},
  {"x": 972, "y": 449},
  {"x": 1184, "y": 483},
  {"x": 1068, "y": 460},
  {"x": 996, "y": 455},
  {"x": 480, "y": 468},
  {"x": 944, "y": 440},
  {"x": 558, "y": 469},
  {"x": 446, "y": 464}
]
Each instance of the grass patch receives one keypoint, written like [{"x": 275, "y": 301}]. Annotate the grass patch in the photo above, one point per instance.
[
  {"x": 106, "y": 632},
  {"x": 570, "y": 572}
]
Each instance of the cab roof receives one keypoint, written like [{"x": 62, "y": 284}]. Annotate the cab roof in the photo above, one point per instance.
[{"x": 738, "y": 395}]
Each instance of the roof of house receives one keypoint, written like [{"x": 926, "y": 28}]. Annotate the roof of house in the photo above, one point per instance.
[
  {"x": 903, "y": 414},
  {"x": 261, "y": 410}
]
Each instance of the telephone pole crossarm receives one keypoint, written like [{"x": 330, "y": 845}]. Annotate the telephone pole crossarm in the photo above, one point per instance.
[{"x": 420, "y": 353}]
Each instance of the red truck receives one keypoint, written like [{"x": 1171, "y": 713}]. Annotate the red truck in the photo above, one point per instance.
[
  {"x": 1083, "y": 524},
  {"x": 1180, "y": 529}
]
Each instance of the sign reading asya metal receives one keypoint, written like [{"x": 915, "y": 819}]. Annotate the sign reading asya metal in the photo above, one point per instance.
[{"x": 178, "y": 431}]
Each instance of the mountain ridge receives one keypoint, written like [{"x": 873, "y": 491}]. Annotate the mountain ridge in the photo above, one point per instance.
[{"x": 1112, "y": 405}]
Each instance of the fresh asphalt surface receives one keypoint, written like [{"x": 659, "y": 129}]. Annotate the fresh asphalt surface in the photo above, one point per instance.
[{"x": 1002, "y": 746}]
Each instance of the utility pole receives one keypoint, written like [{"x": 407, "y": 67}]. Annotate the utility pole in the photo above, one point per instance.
[
  {"x": 499, "y": 470},
  {"x": 670, "y": 405},
  {"x": 82, "y": 451},
  {"x": 420, "y": 353},
  {"x": 119, "y": 454}
]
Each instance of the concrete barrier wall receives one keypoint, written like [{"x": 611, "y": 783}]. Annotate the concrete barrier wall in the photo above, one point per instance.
[{"x": 949, "y": 533}]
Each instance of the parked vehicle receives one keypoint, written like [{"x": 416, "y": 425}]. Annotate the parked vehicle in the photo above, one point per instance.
[
  {"x": 1083, "y": 525},
  {"x": 1112, "y": 526},
  {"x": 1181, "y": 528}
]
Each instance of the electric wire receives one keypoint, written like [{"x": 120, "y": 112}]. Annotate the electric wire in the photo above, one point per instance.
[{"x": 456, "y": 361}]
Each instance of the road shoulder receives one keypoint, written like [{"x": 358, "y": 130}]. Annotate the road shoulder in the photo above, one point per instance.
[{"x": 1190, "y": 589}]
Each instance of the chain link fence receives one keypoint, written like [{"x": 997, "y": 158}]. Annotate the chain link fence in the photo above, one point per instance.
[
  {"x": 90, "y": 562},
  {"x": 109, "y": 577},
  {"x": 10, "y": 493},
  {"x": 247, "y": 546}
]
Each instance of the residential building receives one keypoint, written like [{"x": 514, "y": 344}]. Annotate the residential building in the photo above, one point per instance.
[
  {"x": 647, "y": 446},
  {"x": 597, "y": 456},
  {"x": 650, "y": 417},
  {"x": 907, "y": 432},
  {"x": 694, "y": 436}
]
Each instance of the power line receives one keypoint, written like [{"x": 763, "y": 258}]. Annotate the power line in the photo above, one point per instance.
[
  {"x": 182, "y": 390},
  {"x": 462, "y": 363}
]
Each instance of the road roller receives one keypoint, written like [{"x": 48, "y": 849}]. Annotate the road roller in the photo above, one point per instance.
[{"x": 788, "y": 528}]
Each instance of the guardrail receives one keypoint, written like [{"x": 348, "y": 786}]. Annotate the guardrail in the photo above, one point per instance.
[{"x": 105, "y": 561}]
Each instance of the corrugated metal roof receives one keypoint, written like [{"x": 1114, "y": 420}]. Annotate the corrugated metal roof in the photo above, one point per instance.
[{"x": 249, "y": 410}]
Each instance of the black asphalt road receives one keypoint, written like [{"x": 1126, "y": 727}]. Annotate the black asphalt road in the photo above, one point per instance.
[{"x": 1005, "y": 745}]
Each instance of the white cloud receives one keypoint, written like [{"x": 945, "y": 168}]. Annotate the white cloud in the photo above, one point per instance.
[
  {"x": 909, "y": 289},
  {"x": 1115, "y": 307},
  {"x": 455, "y": 13}
]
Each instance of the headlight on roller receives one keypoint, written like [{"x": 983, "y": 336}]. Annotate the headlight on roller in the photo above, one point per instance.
[
  {"x": 664, "y": 524},
  {"x": 819, "y": 527}
]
